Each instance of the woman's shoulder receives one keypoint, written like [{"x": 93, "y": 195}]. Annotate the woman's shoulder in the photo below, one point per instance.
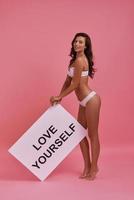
[
  {"x": 82, "y": 61},
  {"x": 79, "y": 62}
]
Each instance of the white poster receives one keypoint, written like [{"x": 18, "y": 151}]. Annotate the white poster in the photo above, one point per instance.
[{"x": 48, "y": 141}]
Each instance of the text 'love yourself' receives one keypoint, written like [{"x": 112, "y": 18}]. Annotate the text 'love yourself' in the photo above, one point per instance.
[{"x": 63, "y": 137}]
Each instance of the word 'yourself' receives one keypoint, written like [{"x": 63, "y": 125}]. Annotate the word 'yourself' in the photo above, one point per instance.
[{"x": 64, "y": 136}]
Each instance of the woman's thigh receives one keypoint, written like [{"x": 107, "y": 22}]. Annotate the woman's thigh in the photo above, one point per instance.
[
  {"x": 92, "y": 112},
  {"x": 82, "y": 116}
]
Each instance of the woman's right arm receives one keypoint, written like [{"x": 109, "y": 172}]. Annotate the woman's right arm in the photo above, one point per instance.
[{"x": 66, "y": 83}]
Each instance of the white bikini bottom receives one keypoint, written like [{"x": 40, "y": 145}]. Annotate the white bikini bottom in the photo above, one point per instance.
[{"x": 87, "y": 98}]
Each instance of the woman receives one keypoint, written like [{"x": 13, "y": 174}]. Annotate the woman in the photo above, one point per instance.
[{"x": 81, "y": 66}]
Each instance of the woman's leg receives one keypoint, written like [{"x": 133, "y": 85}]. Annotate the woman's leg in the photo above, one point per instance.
[
  {"x": 84, "y": 146},
  {"x": 92, "y": 117}
]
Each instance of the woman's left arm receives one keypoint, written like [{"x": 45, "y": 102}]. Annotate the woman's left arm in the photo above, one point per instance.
[{"x": 74, "y": 83}]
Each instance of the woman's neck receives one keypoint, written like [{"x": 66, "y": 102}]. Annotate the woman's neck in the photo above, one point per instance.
[{"x": 80, "y": 54}]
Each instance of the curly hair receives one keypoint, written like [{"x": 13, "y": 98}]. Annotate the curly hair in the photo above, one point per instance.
[{"x": 88, "y": 52}]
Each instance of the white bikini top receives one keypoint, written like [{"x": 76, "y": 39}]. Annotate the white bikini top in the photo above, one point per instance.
[{"x": 71, "y": 72}]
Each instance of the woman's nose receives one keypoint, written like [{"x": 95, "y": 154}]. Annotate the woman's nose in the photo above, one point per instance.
[{"x": 76, "y": 44}]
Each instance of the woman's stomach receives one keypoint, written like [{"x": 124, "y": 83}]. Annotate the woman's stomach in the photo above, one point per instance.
[{"x": 82, "y": 91}]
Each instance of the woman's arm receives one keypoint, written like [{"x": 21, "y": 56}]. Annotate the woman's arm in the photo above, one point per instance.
[
  {"x": 73, "y": 85},
  {"x": 66, "y": 83},
  {"x": 75, "y": 80}
]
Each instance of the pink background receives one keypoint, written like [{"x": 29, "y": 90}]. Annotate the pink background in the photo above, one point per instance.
[{"x": 35, "y": 41}]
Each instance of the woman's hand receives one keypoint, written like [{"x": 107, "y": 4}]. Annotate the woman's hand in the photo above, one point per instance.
[{"x": 55, "y": 100}]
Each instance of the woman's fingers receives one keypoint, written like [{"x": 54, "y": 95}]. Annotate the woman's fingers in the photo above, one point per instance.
[
  {"x": 55, "y": 100},
  {"x": 52, "y": 99}
]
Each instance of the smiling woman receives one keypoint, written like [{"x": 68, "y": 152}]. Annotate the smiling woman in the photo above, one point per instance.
[{"x": 80, "y": 67}]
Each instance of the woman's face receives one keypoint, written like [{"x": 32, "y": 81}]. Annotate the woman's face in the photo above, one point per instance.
[{"x": 79, "y": 44}]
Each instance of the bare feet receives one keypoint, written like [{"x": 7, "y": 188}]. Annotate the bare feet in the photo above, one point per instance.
[
  {"x": 85, "y": 173},
  {"x": 92, "y": 174}
]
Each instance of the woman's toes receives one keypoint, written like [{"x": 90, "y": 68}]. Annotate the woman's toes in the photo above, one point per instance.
[
  {"x": 92, "y": 175},
  {"x": 84, "y": 174}
]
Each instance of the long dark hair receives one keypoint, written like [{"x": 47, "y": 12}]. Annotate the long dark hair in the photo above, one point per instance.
[{"x": 88, "y": 52}]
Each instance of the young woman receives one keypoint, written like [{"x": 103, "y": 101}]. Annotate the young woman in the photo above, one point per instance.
[{"x": 80, "y": 68}]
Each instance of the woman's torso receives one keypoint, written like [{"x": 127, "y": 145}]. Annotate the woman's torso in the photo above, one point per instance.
[{"x": 83, "y": 89}]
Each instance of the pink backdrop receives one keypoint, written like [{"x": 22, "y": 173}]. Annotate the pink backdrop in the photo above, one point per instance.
[{"x": 35, "y": 41}]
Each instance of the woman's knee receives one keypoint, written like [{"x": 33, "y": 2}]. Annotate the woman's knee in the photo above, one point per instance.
[{"x": 93, "y": 133}]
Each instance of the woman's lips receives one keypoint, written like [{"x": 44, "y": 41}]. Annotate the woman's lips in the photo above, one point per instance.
[{"x": 76, "y": 47}]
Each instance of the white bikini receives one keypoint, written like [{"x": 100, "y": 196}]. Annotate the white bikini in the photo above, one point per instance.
[
  {"x": 71, "y": 72},
  {"x": 91, "y": 94}
]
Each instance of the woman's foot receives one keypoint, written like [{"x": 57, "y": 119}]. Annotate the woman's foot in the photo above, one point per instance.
[
  {"x": 92, "y": 174},
  {"x": 85, "y": 173}
]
